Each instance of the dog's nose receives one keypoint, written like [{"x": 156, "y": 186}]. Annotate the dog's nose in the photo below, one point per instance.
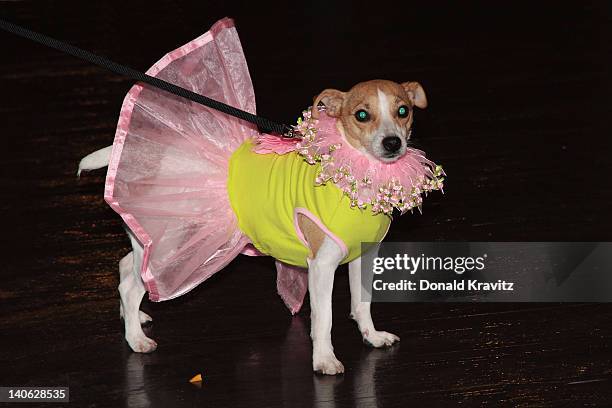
[{"x": 392, "y": 143}]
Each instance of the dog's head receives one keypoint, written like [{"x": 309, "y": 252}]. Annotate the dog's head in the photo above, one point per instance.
[{"x": 375, "y": 116}]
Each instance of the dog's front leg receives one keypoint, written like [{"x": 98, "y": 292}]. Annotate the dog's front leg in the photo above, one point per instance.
[
  {"x": 360, "y": 311},
  {"x": 321, "y": 272}
]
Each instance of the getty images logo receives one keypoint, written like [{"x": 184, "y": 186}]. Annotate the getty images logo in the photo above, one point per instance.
[{"x": 412, "y": 264}]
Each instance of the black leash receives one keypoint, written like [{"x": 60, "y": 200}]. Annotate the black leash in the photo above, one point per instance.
[{"x": 263, "y": 124}]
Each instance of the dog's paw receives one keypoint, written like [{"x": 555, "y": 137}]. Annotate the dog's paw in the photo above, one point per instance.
[
  {"x": 327, "y": 364},
  {"x": 379, "y": 338},
  {"x": 141, "y": 343}
]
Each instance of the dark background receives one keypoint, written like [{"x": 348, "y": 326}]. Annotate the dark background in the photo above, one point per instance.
[{"x": 519, "y": 117}]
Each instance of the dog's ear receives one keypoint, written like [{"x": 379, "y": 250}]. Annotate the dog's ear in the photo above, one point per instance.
[
  {"x": 416, "y": 94},
  {"x": 332, "y": 99}
]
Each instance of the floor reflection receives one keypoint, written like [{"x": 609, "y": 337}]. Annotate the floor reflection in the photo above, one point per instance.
[
  {"x": 135, "y": 388},
  {"x": 365, "y": 385},
  {"x": 358, "y": 384},
  {"x": 264, "y": 374}
]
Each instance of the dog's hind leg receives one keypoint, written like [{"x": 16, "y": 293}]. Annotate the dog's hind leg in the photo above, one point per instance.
[
  {"x": 125, "y": 269},
  {"x": 360, "y": 311},
  {"x": 131, "y": 290}
]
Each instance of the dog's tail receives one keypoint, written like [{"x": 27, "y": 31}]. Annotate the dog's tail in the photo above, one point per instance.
[{"x": 95, "y": 160}]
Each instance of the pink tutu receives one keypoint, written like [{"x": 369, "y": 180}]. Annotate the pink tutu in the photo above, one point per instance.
[{"x": 168, "y": 169}]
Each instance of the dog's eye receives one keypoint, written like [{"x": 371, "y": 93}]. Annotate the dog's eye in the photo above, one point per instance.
[
  {"x": 402, "y": 111},
  {"x": 362, "y": 116}
]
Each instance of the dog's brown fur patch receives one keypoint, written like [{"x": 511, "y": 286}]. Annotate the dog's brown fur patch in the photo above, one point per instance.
[{"x": 312, "y": 233}]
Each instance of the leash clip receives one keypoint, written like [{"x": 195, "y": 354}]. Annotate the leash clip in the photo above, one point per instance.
[{"x": 290, "y": 132}]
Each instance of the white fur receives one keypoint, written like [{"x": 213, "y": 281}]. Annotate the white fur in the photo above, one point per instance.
[
  {"x": 360, "y": 311},
  {"x": 384, "y": 108},
  {"x": 95, "y": 160},
  {"x": 387, "y": 127},
  {"x": 131, "y": 291},
  {"x": 321, "y": 272}
]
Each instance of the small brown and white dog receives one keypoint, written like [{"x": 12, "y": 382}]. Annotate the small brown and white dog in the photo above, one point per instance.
[{"x": 380, "y": 133}]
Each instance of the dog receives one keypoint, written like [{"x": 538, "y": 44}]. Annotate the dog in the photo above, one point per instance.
[{"x": 374, "y": 117}]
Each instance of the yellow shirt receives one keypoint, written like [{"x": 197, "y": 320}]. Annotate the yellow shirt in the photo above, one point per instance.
[{"x": 267, "y": 191}]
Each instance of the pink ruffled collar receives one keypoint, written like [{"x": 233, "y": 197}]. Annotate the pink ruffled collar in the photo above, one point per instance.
[{"x": 366, "y": 181}]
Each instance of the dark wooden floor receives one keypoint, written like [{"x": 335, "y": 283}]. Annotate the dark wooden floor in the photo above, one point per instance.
[{"x": 519, "y": 115}]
